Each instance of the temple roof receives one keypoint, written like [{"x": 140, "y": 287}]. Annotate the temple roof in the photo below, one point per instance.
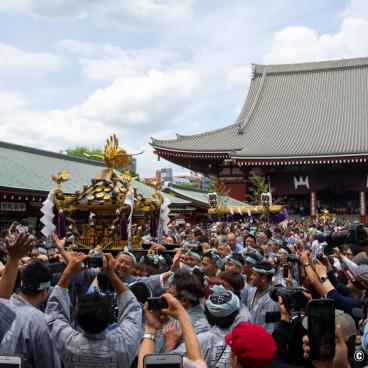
[
  {"x": 196, "y": 195},
  {"x": 307, "y": 110},
  {"x": 30, "y": 169}
]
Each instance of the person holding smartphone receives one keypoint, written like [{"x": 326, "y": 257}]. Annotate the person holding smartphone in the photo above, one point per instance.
[
  {"x": 153, "y": 324},
  {"x": 221, "y": 309},
  {"x": 187, "y": 288}
]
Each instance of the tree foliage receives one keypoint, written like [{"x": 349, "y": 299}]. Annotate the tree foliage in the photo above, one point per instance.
[
  {"x": 211, "y": 187},
  {"x": 187, "y": 185},
  {"x": 78, "y": 151},
  {"x": 258, "y": 185}
]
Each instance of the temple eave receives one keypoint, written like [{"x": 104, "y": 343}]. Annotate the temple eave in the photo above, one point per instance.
[
  {"x": 186, "y": 154},
  {"x": 308, "y": 160}
]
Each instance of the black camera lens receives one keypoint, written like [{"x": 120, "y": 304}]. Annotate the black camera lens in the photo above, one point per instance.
[{"x": 292, "y": 258}]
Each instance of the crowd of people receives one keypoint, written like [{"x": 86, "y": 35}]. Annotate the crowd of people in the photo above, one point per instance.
[{"x": 228, "y": 294}]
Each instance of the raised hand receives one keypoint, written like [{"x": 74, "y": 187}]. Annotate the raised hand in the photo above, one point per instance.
[
  {"x": 75, "y": 263},
  {"x": 109, "y": 264},
  {"x": 175, "y": 307},
  {"x": 320, "y": 268},
  {"x": 172, "y": 335},
  {"x": 60, "y": 243},
  {"x": 23, "y": 244},
  {"x": 153, "y": 318}
]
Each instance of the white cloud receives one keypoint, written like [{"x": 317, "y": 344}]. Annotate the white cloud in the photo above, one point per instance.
[
  {"x": 356, "y": 9},
  {"x": 302, "y": 44},
  {"x": 82, "y": 48},
  {"x": 238, "y": 78},
  {"x": 106, "y": 62},
  {"x": 16, "y": 61},
  {"x": 135, "y": 108},
  {"x": 155, "y": 97},
  {"x": 126, "y": 14},
  {"x": 12, "y": 102}
]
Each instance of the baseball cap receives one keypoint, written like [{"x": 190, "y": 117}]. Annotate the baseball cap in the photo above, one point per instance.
[
  {"x": 252, "y": 344},
  {"x": 345, "y": 321}
]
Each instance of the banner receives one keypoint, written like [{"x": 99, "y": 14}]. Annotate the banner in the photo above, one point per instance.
[
  {"x": 46, "y": 219},
  {"x": 163, "y": 226},
  {"x": 129, "y": 200}
]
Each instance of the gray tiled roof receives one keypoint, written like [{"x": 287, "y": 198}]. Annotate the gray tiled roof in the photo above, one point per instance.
[
  {"x": 197, "y": 195},
  {"x": 31, "y": 169},
  {"x": 296, "y": 110}
]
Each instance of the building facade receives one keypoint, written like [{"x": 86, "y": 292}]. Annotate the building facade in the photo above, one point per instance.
[{"x": 304, "y": 126}]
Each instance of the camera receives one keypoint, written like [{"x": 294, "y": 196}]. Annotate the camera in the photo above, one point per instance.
[
  {"x": 157, "y": 303},
  {"x": 293, "y": 258},
  {"x": 355, "y": 235},
  {"x": 293, "y": 298},
  {"x": 54, "y": 260},
  {"x": 94, "y": 262},
  {"x": 56, "y": 267}
]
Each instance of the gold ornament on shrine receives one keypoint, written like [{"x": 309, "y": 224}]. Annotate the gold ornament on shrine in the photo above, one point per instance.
[
  {"x": 61, "y": 177},
  {"x": 98, "y": 213}
]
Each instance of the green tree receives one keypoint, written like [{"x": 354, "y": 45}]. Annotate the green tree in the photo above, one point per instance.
[
  {"x": 211, "y": 187},
  {"x": 79, "y": 151},
  {"x": 187, "y": 185},
  {"x": 258, "y": 185}
]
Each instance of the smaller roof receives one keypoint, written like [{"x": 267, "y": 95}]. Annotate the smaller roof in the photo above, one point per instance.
[{"x": 197, "y": 195}]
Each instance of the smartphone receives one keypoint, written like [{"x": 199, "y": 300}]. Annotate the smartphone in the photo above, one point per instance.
[
  {"x": 285, "y": 270},
  {"x": 157, "y": 303},
  {"x": 163, "y": 361},
  {"x": 7, "y": 361},
  {"x": 321, "y": 329}
]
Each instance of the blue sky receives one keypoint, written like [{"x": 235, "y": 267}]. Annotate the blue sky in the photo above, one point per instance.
[{"x": 75, "y": 71}]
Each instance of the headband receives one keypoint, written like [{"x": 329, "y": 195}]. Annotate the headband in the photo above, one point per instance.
[
  {"x": 233, "y": 261},
  {"x": 189, "y": 295},
  {"x": 264, "y": 272},
  {"x": 38, "y": 287},
  {"x": 193, "y": 254},
  {"x": 283, "y": 250},
  {"x": 256, "y": 253},
  {"x": 215, "y": 257},
  {"x": 126, "y": 251},
  {"x": 250, "y": 260}
]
